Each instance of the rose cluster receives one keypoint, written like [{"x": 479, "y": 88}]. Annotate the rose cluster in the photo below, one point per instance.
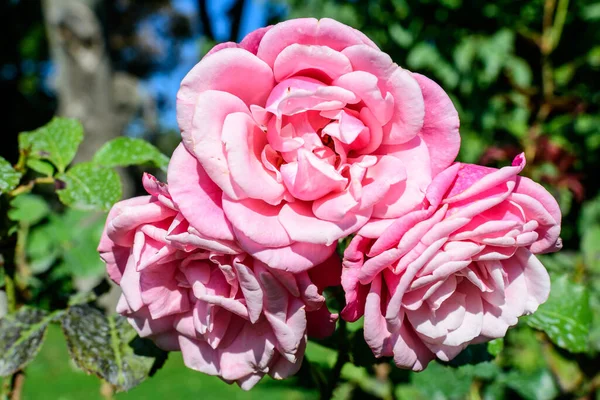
[{"x": 301, "y": 135}]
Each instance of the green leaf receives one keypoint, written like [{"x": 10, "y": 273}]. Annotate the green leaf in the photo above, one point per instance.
[
  {"x": 441, "y": 382},
  {"x": 519, "y": 71},
  {"x": 73, "y": 237},
  {"x": 591, "y": 12},
  {"x": 564, "y": 369},
  {"x": 538, "y": 385},
  {"x": 485, "y": 370},
  {"x": 21, "y": 336},
  {"x": 495, "y": 347},
  {"x": 109, "y": 347},
  {"x": 403, "y": 37},
  {"x": 56, "y": 141},
  {"x": 90, "y": 187},
  {"x": 80, "y": 256},
  {"x": 590, "y": 248},
  {"x": 125, "y": 151},
  {"x": 28, "y": 209},
  {"x": 319, "y": 354},
  {"x": 9, "y": 178},
  {"x": 566, "y": 316},
  {"x": 43, "y": 167}
]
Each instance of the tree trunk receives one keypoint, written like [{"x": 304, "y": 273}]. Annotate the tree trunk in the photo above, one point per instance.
[{"x": 84, "y": 81}]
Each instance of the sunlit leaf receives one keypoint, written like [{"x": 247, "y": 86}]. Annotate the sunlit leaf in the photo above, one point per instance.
[
  {"x": 566, "y": 316},
  {"x": 90, "y": 187},
  {"x": 43, "y": 167},
  {"x": 125, "y": 151},
  {"x": 28, "y": 209},
  {"x": 56, "y": 141},
  {"x": 9, "y": 178}
]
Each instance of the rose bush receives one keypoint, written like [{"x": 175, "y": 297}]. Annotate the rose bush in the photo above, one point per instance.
[
  {"x": 303, "y": 133},
  {"x": 229, "y": 314},
  {"x": 459, "y": 270}
]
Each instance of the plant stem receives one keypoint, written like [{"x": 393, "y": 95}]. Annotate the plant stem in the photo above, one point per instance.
[
  {"x": 12, "y": 386},
  {"x": 26, "y": 188},
  {"x": 22, "y": 272},
  {"x": 11, "y": 296},
  {"x": 342, "y": 358},
  {"x": 107, "y": 390},
  {"x": 559, "y": 22}
]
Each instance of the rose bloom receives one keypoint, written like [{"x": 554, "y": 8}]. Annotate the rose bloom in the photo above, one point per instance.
[
  {"x": 308, "y": 131},
  {"x": 230, "y": 315},
  {"x": 459, "y": 270}
]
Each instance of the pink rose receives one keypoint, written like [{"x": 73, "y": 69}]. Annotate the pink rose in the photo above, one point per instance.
[
  {"x": 308, "y": 132},
  {"x": 229, "y": 314},
  {"x": 459, "y": 270}
]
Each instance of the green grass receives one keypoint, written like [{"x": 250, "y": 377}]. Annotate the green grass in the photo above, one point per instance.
[{"x": 52, "y": 376}]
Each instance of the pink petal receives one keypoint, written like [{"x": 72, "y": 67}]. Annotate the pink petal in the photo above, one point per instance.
[
  {"x": 388, "y": 171},
  {"x": 375, "y": 326},
  {"x": 371, "y": 137},
  {"x": 396, "y": 231},
  {"x": 354, "y": 292},
  {"x": 365, "y": 85},
  {"x": 161, "y": 293},
  {"x": 311, "y": 178},
  {"x": 541, "y": 206},
  {"x": 472, "y": 180},
  {"x": 251, "y": 289},
  {"x": 409, "y": 350},
  {"x": 286, "y": 314},
  {"x": 198, "y": 198},
  {"x": 257, "y": 220},
  {"x": 321, "y": 323},
  {"x": 307, "y": 31},
  {"x": 409, "y": 107},
  {"x": 301, "y": 224},
  {"x": 127, "y": 215},
  {"x": 250, "y": 352},
  {"x": 252, "y": 40},
  {"x": 440, "y": 127},
  {"x": 226, "y": 70},
  {"x": 199, "y": 356},
  {"x": 536, "y": 278},
  {"x": 473, "y": 320},
  {"x": 282, "y": 368},
  {"x": 297, "y": 257},
  {"x": 203, "y": 137},
  {"x": 244, "y": 142},
  {"x": 433, "y": 325},
  {"x": 407, "y": 194},
  {"x": 297, "y": 57}
]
